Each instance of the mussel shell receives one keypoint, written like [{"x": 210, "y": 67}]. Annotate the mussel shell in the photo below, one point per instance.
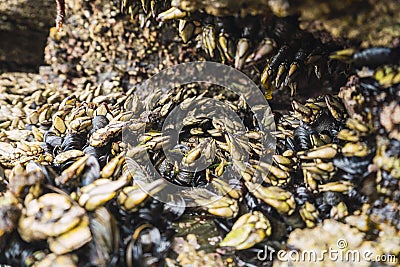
[
  {"x": 175, "y": 208},
  {"x": 74, "y": 141},
  {"x": 52, "y": 140},
  {"x": 99, "y": 122},
  {"x": 302, "y": 137}
]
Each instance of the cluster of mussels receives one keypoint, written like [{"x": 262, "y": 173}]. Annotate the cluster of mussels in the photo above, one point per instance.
[{"x": 75, "y": 192}]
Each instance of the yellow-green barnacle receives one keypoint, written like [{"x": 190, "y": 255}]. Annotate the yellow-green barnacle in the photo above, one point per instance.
[
  {"x": 336, "y": 108},
  {"x": 146, "y": 137},
  {"x": 288, "y": 121},
  {"x": 49, "y": 215},
  {"x": 302, "y": 112},
  {"x": 278, "y": 198},
  {"x": 98, "y": 193},
  {"x": 286, "y": 163},
  {"x": 319, "y": 167},
  {"x": 272, "y": 174},
  {"x": 358, "y": 149},
  {"x": 237, "y": 149},
  {"x": 387, "y": 75},
  {"x": 309, "y": 214},
  {"x": 339, "y": 211},
  {"x": 266, "y": 47},
  {"x": 172, "y": 13},
  {"x": 326, "y": 138},
  {"x": 113, "y": 166},
  {"x": 58, "y": 125},
  {"x": 72, "y": 239},
  {"x": 222, "y": 206},
  {"x": 156, "y": 143},
  {"x": 68, "y": 102},
  {"x": 323, "y": 152},
  {"x": 248, "y": 230},
  {"x": 15, "y": 134},
  {"x": 187, "y": 29},
  {"x": 38, "y": 134},
  {"x": 118, "y": 147},
  {"x": 280, "y": 74},
  {"x": 209, "y": 40},
  {"x": 197, "y": 131},
  {"x": 5, "y": 125},
  {"x": 225, "y": 189},
  {"x": 33, "y": 117},
  {"x": 258, "y": 148},
  {"x": 28, "y": 148},
  {"x": 131, "y": 102},
  {"x": 288, "y": 153},
  {"x": 206, "y": 148},
  {"x": 294, "y": 70},
  {"x": 357, "y": 125},
  {"x": 386, "y": 163},
  {"x": 310, "y": 179},
  {"x": 80, "y": 124},
  {"x": 339, "y": 186},
  {"x": 348, "y": 135},
  {"x": 72, "y": 171},
  {"x": 219, "y": 206},
  {"x": 75, "y": 113},
  {"x": 242, "y": 50},
  {"x": 257, "y": 135},
  {"x": 219, "y": 170},
  {"x": 102, "y": 109},
  {"x": 121, "y": 117},
  {"x": 45, "y": 113},
  {"x": 345, "y": 55},
  {"x": 103, "y": 135},
  {"x": 225, "y": 47},
  {"x": 68, "y": 155},
  {"x": 245, "y": 170},
  {"x": 316, "y": 105},
  {"x": 22, "y": 177},
  {"x": 131, "y": 197}
]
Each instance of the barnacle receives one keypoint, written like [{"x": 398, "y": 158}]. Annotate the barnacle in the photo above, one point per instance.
[{"x": 74, "y": 191}]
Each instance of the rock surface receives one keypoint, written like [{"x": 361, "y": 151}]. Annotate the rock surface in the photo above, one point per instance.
[{"x": 24, "y": 27}]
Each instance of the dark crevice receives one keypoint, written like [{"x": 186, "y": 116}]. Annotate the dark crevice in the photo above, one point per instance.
[
  {"x": 22, "y": 51},
  {"x": 24, "y": 27}
]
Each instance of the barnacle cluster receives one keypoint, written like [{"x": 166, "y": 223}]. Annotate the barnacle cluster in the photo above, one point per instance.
[
  {"x": 263, "y": 36},
  {"x": 74, "y": 192}
]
